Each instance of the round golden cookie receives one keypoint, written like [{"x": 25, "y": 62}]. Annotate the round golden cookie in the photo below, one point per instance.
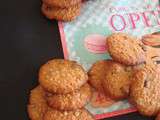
[
  {"x": 158, "y": 117},
  {"x": 71, "y": 101},
  {"x": 37, "y": 106},
  {"x": 62, "y": 76},
  {"x": 62, "y": 3},
  {"x": 64, "y": 14},
  {"x": 144, "y": 91},
  {"x": 80, "y": 114},
  {"x": 117, "y": 81},
  {"x": 97, "y": 73},
  {"x": 126, "y": 49}
]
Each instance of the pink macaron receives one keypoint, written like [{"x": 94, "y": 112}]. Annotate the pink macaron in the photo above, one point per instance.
[{"x": 95, "y": 43}]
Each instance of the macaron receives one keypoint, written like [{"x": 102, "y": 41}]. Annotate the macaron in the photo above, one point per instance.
[{"x": 95, "y": 43}]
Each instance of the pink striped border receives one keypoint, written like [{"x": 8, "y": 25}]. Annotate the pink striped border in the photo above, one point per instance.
[
  {"x": 99, "y": 116},
  {"x": 63, "y": 40},
  {"x": 115, "y": 113}
]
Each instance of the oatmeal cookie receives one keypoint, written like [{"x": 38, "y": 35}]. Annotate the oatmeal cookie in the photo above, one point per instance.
[
  {"x": 97, "y": 74},
  {"x": 126, "y": 49},
  {"x": 144, "y": 91},
  {"x": 64, "y": 14},
  {"x": 62, "y": 3},
  {"x": 37, "y": 104},
  {"x": 62, "y": 76},
  {"x": 80, "y": 114},
  {"x": 70, "y": 101},
  {"x": 117, "y": 81}
]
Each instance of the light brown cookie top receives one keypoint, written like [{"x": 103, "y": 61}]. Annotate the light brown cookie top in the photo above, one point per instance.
[
  {"x": 126, "y": 49},
  {"x": 37, "y": 106},
  {"x": 97, "y": 74},
  {"x": 144, "y": 91},
  {"x": 70, "y": 101},
  {"x": 64, "y": 14},
  {"x": 62, "y": 3},
  {"x": 158, "y": 117},
  {"x": 62, "y": 76},
  {"x": 80, "y": 114},
  {"x": 117, "y": 81}
]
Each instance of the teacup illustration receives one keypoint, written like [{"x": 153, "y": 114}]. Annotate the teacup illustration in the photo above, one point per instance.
[{"x": 152, "y": 42}]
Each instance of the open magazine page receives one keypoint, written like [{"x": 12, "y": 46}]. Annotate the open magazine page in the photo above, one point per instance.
[{"x": 84, "y": 39}]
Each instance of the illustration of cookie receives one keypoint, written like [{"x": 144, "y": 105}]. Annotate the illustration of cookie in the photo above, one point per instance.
[
  {"x": 151, "y": 39},
  {"x": 62, "y": 3},
  {"x": 97, "y": 74},
  {"x": 144, "y": 91},
  {"x": 158, "y": 117},
  {"x": 117, "y": 81},
  {"x": 64, "y": 14},
  {"x": 153, "y": 53},
  {"x": 70, "y": 101},
  {"x": 80, "y": 114},
  {"x": 126, "y": 49},
  {"x": 153, "y": 46},
  {"x": 37, "y": 104},
  {"x": 158, "y": 66},
  {"x": 62, "y": 76}
]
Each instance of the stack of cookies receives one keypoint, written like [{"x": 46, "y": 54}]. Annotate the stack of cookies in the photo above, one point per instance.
[
  {"x": 65, "y": 10},
  {"x": 62, "y": 94},
  {"x": 131, "y": 73}
]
